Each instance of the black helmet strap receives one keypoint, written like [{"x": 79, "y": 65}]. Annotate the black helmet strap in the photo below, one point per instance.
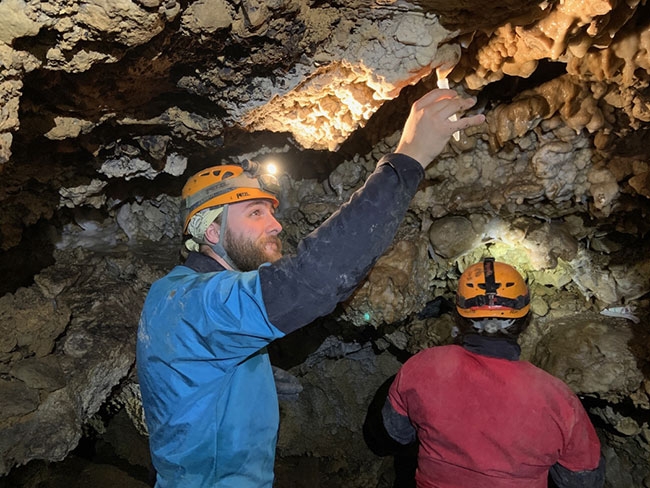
[
  {"x": 219, "y": 248},
  {"x": 491, "y": 286},
  {"x": 493, "y": 300}
]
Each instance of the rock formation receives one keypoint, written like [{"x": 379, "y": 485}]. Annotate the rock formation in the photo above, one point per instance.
[{"x": 107, "y": 107}]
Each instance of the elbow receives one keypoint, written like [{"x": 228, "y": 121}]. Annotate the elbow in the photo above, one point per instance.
[{"x": 565, "y": 478}]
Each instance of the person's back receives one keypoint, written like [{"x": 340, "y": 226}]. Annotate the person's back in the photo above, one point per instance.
[
  {"x": 490, "y": 422},
  {"x": 483, "y": 418}
]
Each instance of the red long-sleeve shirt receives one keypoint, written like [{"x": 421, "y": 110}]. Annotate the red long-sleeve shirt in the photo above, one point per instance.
[{"x": 485, "y": 422}]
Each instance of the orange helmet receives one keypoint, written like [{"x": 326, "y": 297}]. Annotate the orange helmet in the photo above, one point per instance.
[
  {"x": 492, "y": 289},
  {"x": 221, "y": 185}
]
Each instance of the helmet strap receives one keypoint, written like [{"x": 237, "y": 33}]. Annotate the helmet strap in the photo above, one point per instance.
[
  {"x": 218, "y": 248},
  {"x": 222, "y": 256},
  {"x": 491, "y": 286}
]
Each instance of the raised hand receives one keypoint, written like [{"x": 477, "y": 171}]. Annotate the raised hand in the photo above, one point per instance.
[{"x": 428, "y": 127}]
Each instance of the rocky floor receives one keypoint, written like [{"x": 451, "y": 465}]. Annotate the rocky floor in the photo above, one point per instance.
[{"x": 83, "y": 468}]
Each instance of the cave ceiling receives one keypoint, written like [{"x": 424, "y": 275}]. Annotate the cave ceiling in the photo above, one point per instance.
[
  {"x": 83, "y": 83},
  {"x": 106, "y": 107}
]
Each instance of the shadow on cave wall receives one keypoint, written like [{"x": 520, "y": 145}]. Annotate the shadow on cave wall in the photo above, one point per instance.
[{"x": 20, "y": 263}]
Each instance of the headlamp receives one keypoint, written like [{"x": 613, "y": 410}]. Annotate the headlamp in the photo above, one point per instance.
[{"x": 266, "y": 180}]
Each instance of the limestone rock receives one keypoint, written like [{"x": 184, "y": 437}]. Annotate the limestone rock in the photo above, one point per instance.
[
  {"x": 607, "y": 367},
  {"x": 452, "y": 236},
  {"x": 106, "y": 107},
  {"x": 43, "y": 373},
  {"x": 16, "y": 399},
  {"x": 31, "y": 322},
  {"x": 95, "y": 351},
  {"x": 396, "y": 287}
]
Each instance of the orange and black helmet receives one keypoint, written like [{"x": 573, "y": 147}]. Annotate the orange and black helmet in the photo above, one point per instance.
[
  {"x": 221, "y": 185},
  {"x": 491, "y": 289}
]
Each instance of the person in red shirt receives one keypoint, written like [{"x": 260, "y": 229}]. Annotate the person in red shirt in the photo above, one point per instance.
[{"x": 482, "y": 417}]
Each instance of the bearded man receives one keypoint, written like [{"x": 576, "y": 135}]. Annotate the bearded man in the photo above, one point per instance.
[{"x": 207, "y": 385}]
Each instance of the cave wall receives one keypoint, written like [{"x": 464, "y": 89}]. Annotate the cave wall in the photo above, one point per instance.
[{"x": 107, "y": 107}]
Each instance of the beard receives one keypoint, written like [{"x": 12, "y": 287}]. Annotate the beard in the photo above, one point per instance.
[{"x": 248, "y": 254}]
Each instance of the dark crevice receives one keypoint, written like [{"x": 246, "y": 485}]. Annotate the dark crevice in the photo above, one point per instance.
[
  {"x": 507, "y": 88},
  {"x": 21, "y": 263}
]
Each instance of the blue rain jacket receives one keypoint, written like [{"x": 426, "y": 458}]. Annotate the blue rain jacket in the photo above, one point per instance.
[{"x": 206, "y": 380}]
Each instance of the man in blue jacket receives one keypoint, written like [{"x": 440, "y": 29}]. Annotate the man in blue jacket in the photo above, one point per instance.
[{"x": 207, "y": 384}]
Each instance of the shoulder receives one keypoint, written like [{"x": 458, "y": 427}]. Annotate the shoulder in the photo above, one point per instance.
[
  {"x": 433, "y": 354},
  {"x": 183, "y": 283},
  {"x": 548, "y": 383}
]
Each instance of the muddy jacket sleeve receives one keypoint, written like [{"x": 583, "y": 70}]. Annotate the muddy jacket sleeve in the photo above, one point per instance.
[{"x": 331, "y": 261}]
